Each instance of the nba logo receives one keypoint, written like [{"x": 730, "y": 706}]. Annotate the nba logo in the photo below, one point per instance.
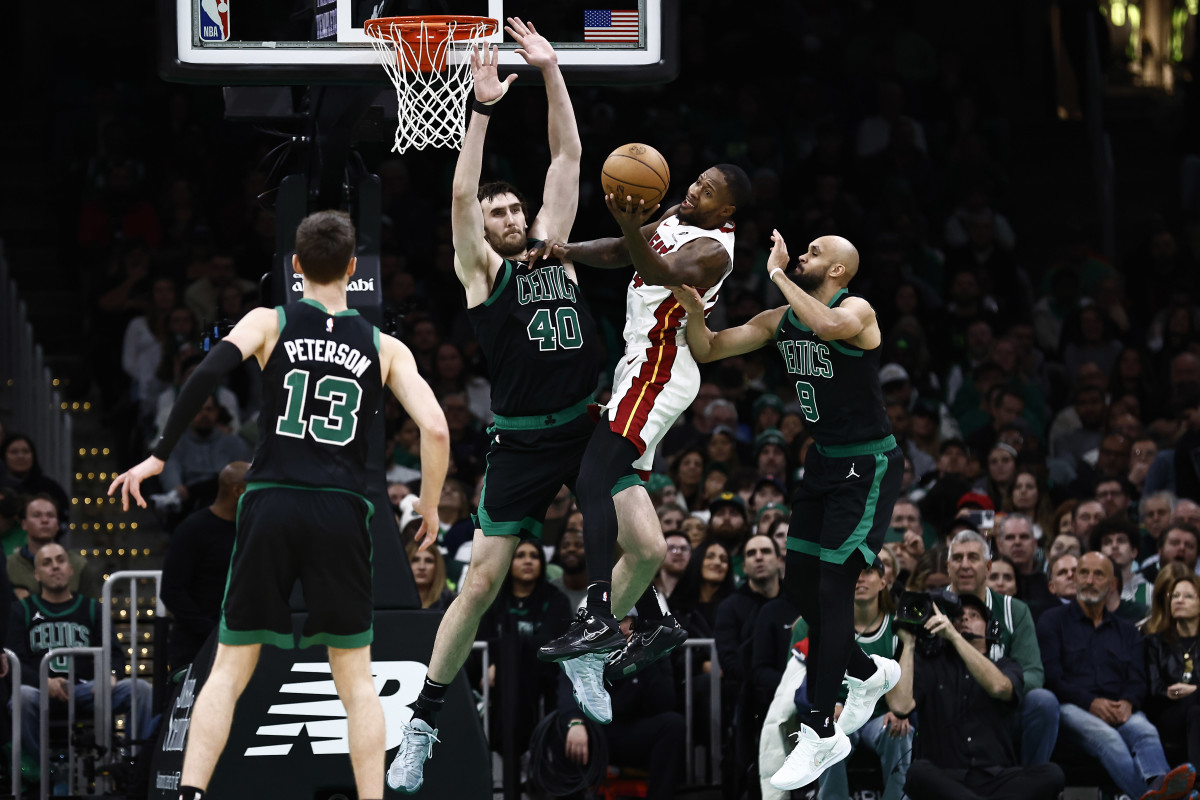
[{"x": 214, "y": 20}]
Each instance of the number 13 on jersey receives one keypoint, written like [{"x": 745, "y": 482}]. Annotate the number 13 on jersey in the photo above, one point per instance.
[{"x": 339, "y": 426}]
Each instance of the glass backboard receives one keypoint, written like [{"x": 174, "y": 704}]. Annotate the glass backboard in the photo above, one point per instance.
[{"x": 322, "y": 41}]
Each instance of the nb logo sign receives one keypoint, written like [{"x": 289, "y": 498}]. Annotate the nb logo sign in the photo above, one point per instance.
[{"x": 397, "y": 682}]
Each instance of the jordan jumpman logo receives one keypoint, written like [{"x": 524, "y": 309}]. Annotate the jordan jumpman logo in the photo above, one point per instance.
[{"x": 852, "y": 474}]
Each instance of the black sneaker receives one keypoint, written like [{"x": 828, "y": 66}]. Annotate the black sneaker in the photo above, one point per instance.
[
  {"x": 587, "y": 634},
  {"x": 644, "y": 648}
]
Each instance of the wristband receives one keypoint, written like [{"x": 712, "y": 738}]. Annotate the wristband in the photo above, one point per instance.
[
  {"x": 482, "y": 109},
  {"x": 900, "y": 716},
  {"x": 574, "y": 722},
  {"x": 771, "y": 274}
]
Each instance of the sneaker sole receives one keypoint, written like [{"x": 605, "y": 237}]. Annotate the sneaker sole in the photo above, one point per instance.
[
  {"x": 844, "y": 747},
  {"x": 1177, "y": 784},
  {"x": 611, "y": 674},
  {"x": 614, "y": 642},
  {"x": 583, "y": 707}
]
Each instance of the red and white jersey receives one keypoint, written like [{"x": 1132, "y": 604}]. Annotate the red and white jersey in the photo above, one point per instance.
[
  {"x": 653, "y": 318},
  {"x": 657, "y": 379}
]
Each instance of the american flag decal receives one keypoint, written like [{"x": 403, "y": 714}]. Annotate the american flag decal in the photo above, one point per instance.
[{"x": 610, "y": 26}]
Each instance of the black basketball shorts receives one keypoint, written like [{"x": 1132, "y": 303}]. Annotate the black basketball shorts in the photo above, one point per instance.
[
  {"x": 844, "y": 503},
  {"x": 318, "y": 537}
]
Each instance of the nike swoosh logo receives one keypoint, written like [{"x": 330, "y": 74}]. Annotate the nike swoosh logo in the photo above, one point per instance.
[
  {"x": 590, "y": 635},
  {"x": 819, "y": 759}
]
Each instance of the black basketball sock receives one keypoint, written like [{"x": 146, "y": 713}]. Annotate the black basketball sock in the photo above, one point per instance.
[
  {"x": 190, "y": 793},
  {"x": 821, "y": 723},
  {"x": 429, "y": 702},
  {"x": 599, "y": 599},
  {"x": 860, "y": 666},
  {"x": 650, "y": 608}
]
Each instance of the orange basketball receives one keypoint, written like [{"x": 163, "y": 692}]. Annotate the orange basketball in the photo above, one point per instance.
[{"x": 638, "y": 171}]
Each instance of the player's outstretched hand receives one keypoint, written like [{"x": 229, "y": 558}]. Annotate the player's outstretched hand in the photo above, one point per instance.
[
  {"x": 130, "y": 481},
  {"x": 779, "y": 253},
  {"x": 533, "y": 47},
  {"x": 550, "y": 248},
  {"x": 629, "y": 215},
  {"x": 488, "y": 86},
  {"x": 689, "y": 298},
  {"x": 428, "y": 532}
]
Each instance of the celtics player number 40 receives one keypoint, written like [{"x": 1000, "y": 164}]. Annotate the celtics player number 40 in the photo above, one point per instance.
[
  {"x": 339, "y": 426},
  {"x": 561, "y": 330}
]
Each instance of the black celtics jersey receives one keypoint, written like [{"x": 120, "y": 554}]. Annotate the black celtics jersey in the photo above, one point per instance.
[
  {"x": 538, "y": 336},
  {"x": 836, "y": 383},
  {"x": 321, "y": 389}
]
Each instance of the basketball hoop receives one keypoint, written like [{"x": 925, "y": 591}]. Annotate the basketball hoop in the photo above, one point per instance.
[{"x": 431, "y": 85}]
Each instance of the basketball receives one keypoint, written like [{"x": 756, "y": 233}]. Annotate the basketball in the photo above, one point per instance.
[{"x": 638, "y": 171}]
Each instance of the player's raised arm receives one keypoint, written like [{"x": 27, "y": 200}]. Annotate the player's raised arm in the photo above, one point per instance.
[
  {"x": 401, "y": 376},
  {"x": 471, "y": 253},
  {"x": 608, "y": 253},
  {"x": 846, "y": 321},
  {"x": 707, "y": 345},
  {"x": 248, "y": 338},
  {"x": 560, "y": 197}
]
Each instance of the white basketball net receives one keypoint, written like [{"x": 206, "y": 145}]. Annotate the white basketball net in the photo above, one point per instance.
[{"x": 432, "y": 105}]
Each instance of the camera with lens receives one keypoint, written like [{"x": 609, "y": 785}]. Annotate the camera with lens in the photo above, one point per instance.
[{"x": 916, "y": 608}]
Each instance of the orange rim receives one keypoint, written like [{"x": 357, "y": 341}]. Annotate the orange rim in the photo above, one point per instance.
[{"x": 434, "y": 27}]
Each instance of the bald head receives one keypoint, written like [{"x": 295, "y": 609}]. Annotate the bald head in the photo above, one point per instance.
[
  {"x": 841, "y": 251},
  {"x": 231, "y": 481}
]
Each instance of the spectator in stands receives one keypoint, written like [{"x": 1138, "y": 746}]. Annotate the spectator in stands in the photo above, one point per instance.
[
  {"x": 203, "y": 295},
  {"x": 1002, "y": 577},
  {"x": 1187, "y": 474},
  {"x": 188, "y": 361},
  {"x": 1001, "y": 470},
  {"x": 56, "y": 617},
  {"x": 40, "y": 519},
  {"x": 1014, "y": 539},
  {"x": 722, "y": 447},
  {"x": 527, "y": 613},
  {"x": 12, "y": 535},
  {"x": 467, "y": 444},
  {"x": 729, "y": 525},
  {"x": 1181, "y": 542},
  {"x": 1155, "y": 515},
  {"x": 703, "y": 588},
  {"x": 190, "y": 474},
  {"x": 646, "y": 732},
  {"x": 429, "y": 574},
  {"x": 946, "y": 485},
  {"x": 1095, "y": 666},
  {"x": 965, "y": 749},
  {"x": 687, "y": 473},
  {"x": 888, "y": 735},
  {"x": 1064, "y": 543},
  {"x": 196, "y": 567},
  {"x": 768, "y": 490},
  {"x": 696, "y": 530},
  {"x": 679, "y": 553},
  {"x": 1085, "y": 517},
  {"x": 25, "y": 471},
  {"x": 570, "y": 556},
  {"x": 770, "y": 453},
  {"x": 1061, "y": 576},
  {"x": 969, "y": 567},
  {"x": 898, "y": 388},
  {"x": 1112, "y": 462},
  {"x": 450, "y": 376},
  {"x": 1141, "y": 456},
  {"x": 1116, "y": 537},
  {"x": 736, "y": 615},
  {"x": 141, "y": 348},
  {"x": 1073, "y": 447},
  {"x": 670, "y": 517},
  {"x": 901, "y": 420},
  {"x": 1115, "y": 495},
  {"x": 768, "y": 412},
  {"x": 1172, "y": 662},
  {"x": 1004, "y": 407},
  {"x": 1187, "y": 511},
  {"x": 454, "y": 513},
  {"x": 1030, "y": 497}
]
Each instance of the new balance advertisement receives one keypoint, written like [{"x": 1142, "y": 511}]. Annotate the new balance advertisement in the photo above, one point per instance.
[{"x": 289, "y": 735}]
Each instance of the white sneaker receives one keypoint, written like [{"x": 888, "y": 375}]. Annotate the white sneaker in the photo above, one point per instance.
[
  {"x": 811, "y": 756},
  {"x": 587, "y": 679},
  {"x": 864, "y": 695},
  {"x": 407, "y": 772}
]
